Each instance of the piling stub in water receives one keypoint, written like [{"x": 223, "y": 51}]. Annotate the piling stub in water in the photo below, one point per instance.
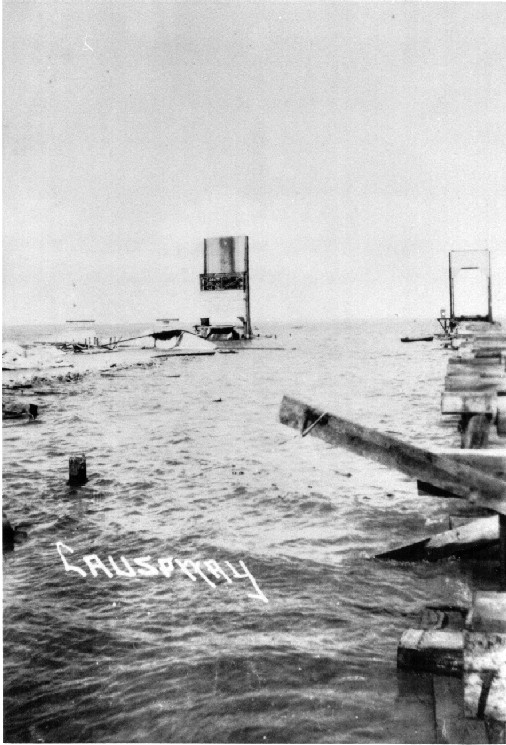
[
  {"x": 77, "y": 470},
  {"x": 7, "y": 534}
]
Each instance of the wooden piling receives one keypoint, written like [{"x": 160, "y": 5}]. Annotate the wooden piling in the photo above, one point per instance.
[
  {"x": 77, "y": 470},
  {"x": 502, "y": 551},
  {"x": 475, "y": 431}
]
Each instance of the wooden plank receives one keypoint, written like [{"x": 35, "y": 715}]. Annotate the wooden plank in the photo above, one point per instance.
[
  {"x": 469, "y": 403},
  {"x": 461, "y": 370},
  {"x": 492, "y": 462},
  {"x": 475, "y": 536},
  {"x": 432, "y": 651},
  {"x": 457, "y": 478},
  {"x": 454, "y": 615},
  {"x": 451, "y": 724},
  {"x": 480, "y": 375},
  {"x": 490, "y": 339},
  {"x": 480, "y": 352},
  {"x": 473, "y": 385},
  {"x": 476, "y": 362}
]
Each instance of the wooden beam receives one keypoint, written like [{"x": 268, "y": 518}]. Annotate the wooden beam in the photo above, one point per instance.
[
  {"x": 473, "y": 385},
  {"x": 432, "y": 651},
  {"x": 475, "y": 536},
  {"x": 492, "y": 462},
  {"x": 476, "y": 362},
  {"x": 460, "y": 370},
  {"x": 489, "y": 339},
  {"x": 459, "y": 479},
  {"x": 469, "y": 403}
]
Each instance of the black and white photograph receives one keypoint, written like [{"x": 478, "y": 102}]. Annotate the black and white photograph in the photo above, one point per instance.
[{"x": 254, "y": 371}]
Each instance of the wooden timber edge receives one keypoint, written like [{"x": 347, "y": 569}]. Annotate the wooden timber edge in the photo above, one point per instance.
[
  {"x": 459, "y": 479},
  {"x": 475, "y": 387},
  {"x": 435, "y": 651}
]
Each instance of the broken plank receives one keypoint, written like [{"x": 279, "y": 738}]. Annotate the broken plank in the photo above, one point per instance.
[
  {"x": 475, "y": 536},
  {"x": 457, "y": 478}
]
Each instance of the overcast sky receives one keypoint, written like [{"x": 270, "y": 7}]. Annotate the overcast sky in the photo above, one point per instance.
[{"x": 355, "y": 143}]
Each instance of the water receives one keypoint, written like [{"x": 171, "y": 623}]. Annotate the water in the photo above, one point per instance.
[{"x": 198, "y": 467}]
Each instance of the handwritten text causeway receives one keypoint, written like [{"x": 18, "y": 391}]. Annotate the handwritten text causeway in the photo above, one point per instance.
[{"x": 145, "y": 566}]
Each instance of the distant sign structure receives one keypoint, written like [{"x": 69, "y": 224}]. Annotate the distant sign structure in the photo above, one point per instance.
[
  {"x": 225, "y": 263},
  {"x": 470, "y": 285},
  {"x": 226, "y": 267}
]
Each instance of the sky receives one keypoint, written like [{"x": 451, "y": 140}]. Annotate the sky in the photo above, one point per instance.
[{"x": 356, "y": 144}]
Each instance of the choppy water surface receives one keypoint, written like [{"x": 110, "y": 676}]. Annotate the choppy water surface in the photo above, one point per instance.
[{"x": 198, "y": 467}]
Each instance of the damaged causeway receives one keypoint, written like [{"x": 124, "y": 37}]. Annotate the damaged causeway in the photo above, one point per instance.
[{"x": 465, "y": 669}]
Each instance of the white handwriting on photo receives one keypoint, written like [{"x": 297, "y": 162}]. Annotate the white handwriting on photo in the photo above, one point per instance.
[{"x": 145, "y": 566}]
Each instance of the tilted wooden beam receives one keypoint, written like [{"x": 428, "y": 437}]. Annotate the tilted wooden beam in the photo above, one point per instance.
[
  {"x": 476, "y": 535},
  {"x": 457, "y": 478}
]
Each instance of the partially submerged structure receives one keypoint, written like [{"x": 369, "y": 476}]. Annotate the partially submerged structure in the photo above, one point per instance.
[
  {"x": 461, "y": 650},
  {"x": 470, "y": 288},
  {"x": 226, "y": 270}
]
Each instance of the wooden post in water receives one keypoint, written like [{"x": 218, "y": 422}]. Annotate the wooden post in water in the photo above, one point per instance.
[
  {"x": 489, "y": 291},
  {"x": 246, "y": 288},
  {"x": 475, "y": 431},
  {"x": 502, "y": 551},
  {"x": 77, "y": 470},
  {"x": 450, "y": 275}
]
